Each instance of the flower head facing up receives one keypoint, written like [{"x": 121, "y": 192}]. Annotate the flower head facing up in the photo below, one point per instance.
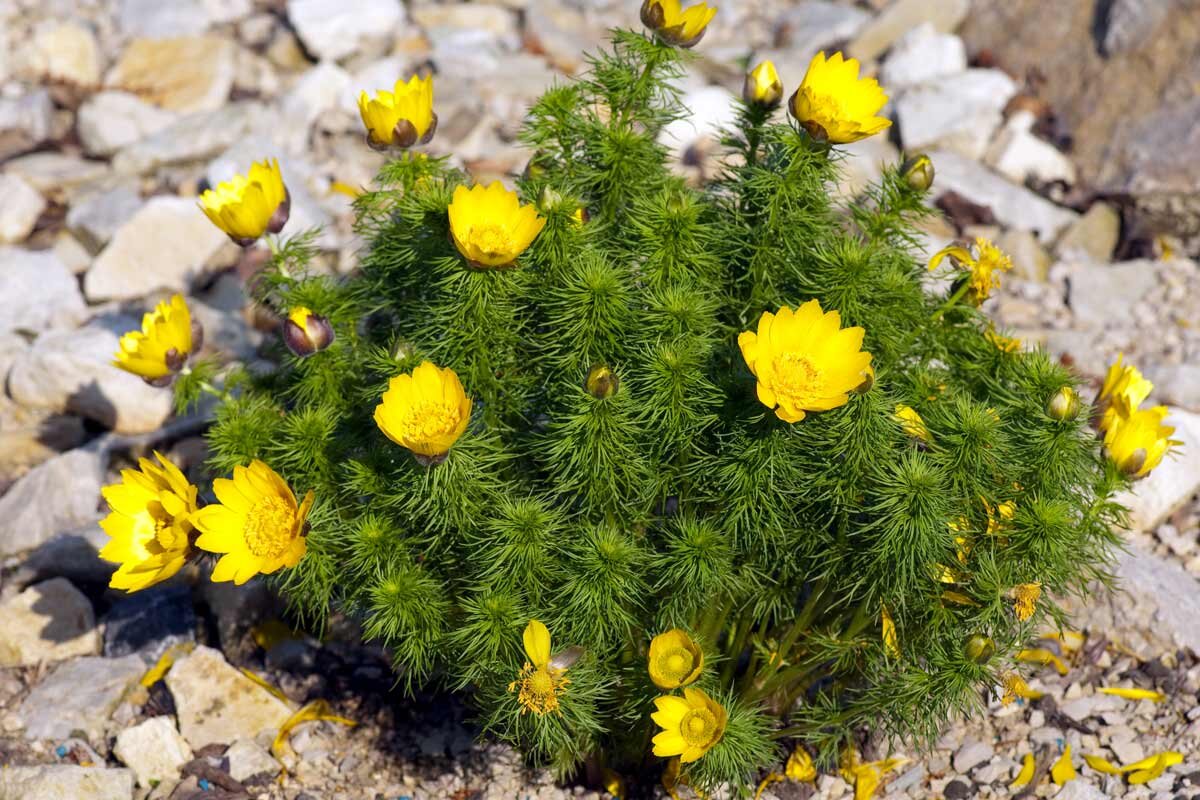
[
  {"x": 489, "y": 225},
  {"x": 161, "y": 348},
  {"x": 256, "y": 524},
  {"x": 691, "y": 725},
  {"x": 247, "y": 206},
  {"x": 1137, "y": 443},
  {"x": 762, "y": 86},
  {"x": 149, "y": 525},
  {"x": 426, "y": 411},
  {"x": 1025, "y": 597},
  {"x": 675, "y": 660},
  {"x": 804, "y": 361},
  {"x": 402, "y": 117},
  {"x": 1124, "y": 390},
  {"x": 982, "y": 267},
  {"x": 306, "y": 333},
  {"x": 540, "y": 682},
  {"x": 676, "y": 25},
  {"x": 833, "y": 104}
]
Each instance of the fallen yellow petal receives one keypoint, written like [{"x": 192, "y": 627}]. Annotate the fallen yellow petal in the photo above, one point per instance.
[
  {"x": 800, "y": 766},
  {"x": 1134, "y": 694},
  {"x": 264, "y": 683},
  {"x": 1063, "y": 771},
  {"x": 165, "y": 662},
  {"x": 316, "y": 711},
  {"x": 346, "y": 189},
  {"x": 1102, "y": 765},
  {"x": 1040, "y": 655},
  {"x": 1143, "y": 772},
  {"x": 614, "y": 784},
  {"x": 1070, "y": 640},
  {"x": 1026, "y": 774},
  {"x": 772, "y": 777}
]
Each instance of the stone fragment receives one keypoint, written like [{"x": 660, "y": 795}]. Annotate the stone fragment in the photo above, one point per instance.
[
  {"x": 65, "y": 782},
  {"x": 807, "y": 27},
  {"x": 1018, "y": 154},
  {"x": 180, "y": 73},
  {"x": 216, "y": 703},
  {"x": 1030, "y": 260},
  {"x": 248, "y": 760},
  {"x": 153, "y": 18},
  {"x": 97, "y": 215},
  {"x": 167, "y": 244},
  {"x": 111, "y": 120},
  {"x": 1080, "y": 789},
  {"x": 20, "y": 209},
  {"x": 923, "y": 55},
  {"x": 61, "y": 494},
  {"x": 74, "y": 555},
  {"x": 78, "y": 697},
  {"x": 50, "y": 621},
  {"x": 319, "y": 90},
  {"x": 958, "y": 112},
  {"x": 153, "y": 749},
  {"x": 149, "y": 622},
  {"x": 1095, "y": 234},
  {"x": 25, "y": 122},
  {"x": 864, "y": 163},
  {"x": 1173, "y": 482},
  {"x": 902, "y": 16},
  {"x": 1100, "y": 294},
  {"x": 333, "y": 29},
  {"x": 30, "y": 436},
  {"x": 556, "y": 31},
  {"x": 971, "y": 754},
  {"x": 54, "y": 174},
  {"x": 1129, "y": 24},
  {"x": 195, "y": 137},
  {"x": 62, "y": 51}
]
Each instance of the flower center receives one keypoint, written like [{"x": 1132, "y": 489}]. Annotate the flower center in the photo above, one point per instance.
[
  {"x": 268, "y": 529},
  {"x": 796, "y": 378},
  {"x": 538, "y": 689},
  {"x": 697, "y": 727},
  {"x": 491, "y": 239},
  {"x": 676, "y": 664},
  {"x": 426, "y": 421}
]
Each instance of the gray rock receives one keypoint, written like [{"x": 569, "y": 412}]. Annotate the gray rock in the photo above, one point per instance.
[
  {"x": 73, "y": 371},
  {"x": 864, "y": 163},
  {"x": 1089, "y": 705},
  {"x": 50, "y": 621},
  {"x": 56, "y": 174},
  {"x": 108, "y": 121},
  {"x": 29, "y": 436},
  {"x": 167, "y": 244},
  {"x": 1018, "y": 154},
  {"x": 1177, "y": 384},
  {"x": 809, "y": 26},
  {"x": 180, "y": 73},
  {"x": 1014, "y": 206},
  {"x": 923, "y": 55},
  {"x": 154, "y": 750},
  {"x": 78, "y": 697},
  {"x": 1030, "y": 259},
  {"x": 712, "y": 109},
  {"x": 557, "y": 31},
  {"x": 1079, "y": 789},
  {"x": 217, "y": 703},
  {"x": 37, "y": 291},
  {"x": 71, "y": 252},
  {"x": 95, "y": 216},
  {"x": 74, "y": 555},
  {"x": 1173, "y": 482},
  {"x": 158, "y": 19},
  {"x": 59, "y": 495},
  {"x": 959, "y": 112},
  {"x": 1131, "y": 23},
  {"x": 150, "y": 622},
  {"x": 223, "y": 12},
  {"x": 1095, "y": 234},
  {"x": 972, "y": 754},
  {"x": 20, "y": 210},
  {"x": 195, "y": 137},
  {"x": 318, "y": 91},
  {"x": 63, "y": 51},
  {"x": 247, "y": 759},
  {"x": 1101, "y": 294},
  {"x": 25, "y": 122},
  {"x": 333, "y": 29},
  {"x": 902, "y": 16},
  {"x": 908, "y": 779},
  {"x": 62, "y": 781}
]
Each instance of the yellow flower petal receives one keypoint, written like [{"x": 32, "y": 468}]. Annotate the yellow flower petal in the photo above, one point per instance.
[
  {"x": 1040, "y": 655},
  {"x": 891, "y": 642},
  {"x": 1134, "y": 694},
  {"x": 1063, "y": 771},
  {"x": 243, "y": 206},
  {"x": 1028, "y": 765},
  {"x": 316, "y": 711},
  {"x": 800, "y": 766},
  {"x": 1102, "y": 765}
]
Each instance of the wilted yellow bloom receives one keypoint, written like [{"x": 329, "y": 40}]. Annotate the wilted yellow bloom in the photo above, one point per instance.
[
  {"x": 691, "y": 725},
  {"x": 1152, "y": 695},
  {"x": 762, "y": 86},
  {"x": 834, "y": 104},
  {"x": 163, "y": 345},
  {"x": 489, "y": 225},
  {"x": 313, "y": 711},
  {"x": 868, "y": 776},
  {"x": 1063, "y": 770},
  {"x": 1123, "y": 392},
  {"x": 1005, "y": 344},
  {"x": 1040, "y": 655},
  {"x": 676, "y": 25},
  {"x": 982, "y": 267},
  {"x": 675, "y": 660},
  {"x": 247, "y": 206},
  {"x": 401, "y": 117},
  {"x": 804, "y": 361},
  {"x": 306, "y": 333},
  {"x": 426, "y": 411},
  {"x": 1025, "y": 597},
  {"x": 257, "y": 525},
  {"x": 1014, "y": 686},
  {"x": 911, "y": 421},
  {"x": 1000, "y": 516},
  {"x": 891, "y": 642},
  {"x": 150, "y": 524},
  {"x": 541, "y": 681},
  {"x": 1028, "y": 766},
  {"x": 800, "y": 766},
  {"x": 1139, "y": 772},
  {"x": 1138, "y": 442}
]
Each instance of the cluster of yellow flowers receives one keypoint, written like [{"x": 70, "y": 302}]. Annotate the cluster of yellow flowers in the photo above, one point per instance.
[
  {"x": 981, "y": 268},
  {"x": 1135, "y": 438},
  {"x": 693, "y": 724}
]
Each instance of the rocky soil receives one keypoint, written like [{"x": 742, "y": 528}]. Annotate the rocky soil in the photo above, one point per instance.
[{"x": 1068, "y": 137}]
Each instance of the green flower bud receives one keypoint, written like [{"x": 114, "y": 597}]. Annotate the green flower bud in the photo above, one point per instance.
[
  {"x": 601, "y": 382},
  {"x": 1064, "y": 405},
  {"x": 918, "y": 172},
  {"x": 979, "y": 649}
]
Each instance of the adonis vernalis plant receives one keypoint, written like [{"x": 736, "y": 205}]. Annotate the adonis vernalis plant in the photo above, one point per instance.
[{"x": 670, "y": 481}]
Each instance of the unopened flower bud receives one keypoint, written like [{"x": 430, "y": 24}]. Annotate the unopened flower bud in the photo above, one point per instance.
[
  {"x": 306, "y": 333},
  {"x": 549, "y": 199},
  {"x": 1064, "y": 405},
  {"x": 601, "y": 382},
  {"x": 917, "y": 172},
  {"x": 979, "y": 649},
  {"x": 762, "y": 86},
  {"x": 867, "y": 382}
]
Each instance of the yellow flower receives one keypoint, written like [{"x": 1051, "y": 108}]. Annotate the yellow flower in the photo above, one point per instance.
[
  {"x": 804, "y": 361},
  {"x": 1063, "y": 770},
  {"x": 150, "y": 524},
  {"x": 1123, "y": 391},
  {"x": 489, "y": 225},
  {"x": 982, "y": 268},
  {"x": 800, "y": 766},
  {"x": 306, "y": 333},
  {"x": 401, "y": 117},
  {"x": 1137, "y": 443},
  {"x": 1014, "y": 686},
  {"x": 163, "y": 345},
  {"x": 867, "y": 776},
  {"x": 1000, "y": 516},
  {"x": 762, "y": 86},
  {"x": 676, "y": 25},
  {"x": 426, "y": 411},
  {"x": 675, "y": 660},
  {"x": 834, "y": 104},
  {"x": 911, "y": 421},
  {"x": 1005, "y": 344},
  {"x": 247, "y": 206},
  {"x": 540, "y": 682},
  {"x": 891, "y": 642},
  {"x": 1025, "y": 597},
  {"x": 257, "y": 524},
  {"x": 691, "y": 725}
]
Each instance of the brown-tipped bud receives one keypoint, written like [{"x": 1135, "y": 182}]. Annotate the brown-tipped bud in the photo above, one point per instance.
[
  {"x": 979, "y": 649},
  {"x": 917, "y": 172},
  {"x": 652, "y": 14},
  {"x": 867, "y": 382},
  {"x": 1064, "y": 405},
  {"x": 601, "y": 382},
  {"x": 762, "y": 87},
  {"x": 404, "y": 135},
  {"x": 306, "y": 333},
  {"x": 282, "y": 213}
]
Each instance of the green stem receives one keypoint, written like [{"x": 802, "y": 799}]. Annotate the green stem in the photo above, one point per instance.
[{"x": 952, "y": 300}]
